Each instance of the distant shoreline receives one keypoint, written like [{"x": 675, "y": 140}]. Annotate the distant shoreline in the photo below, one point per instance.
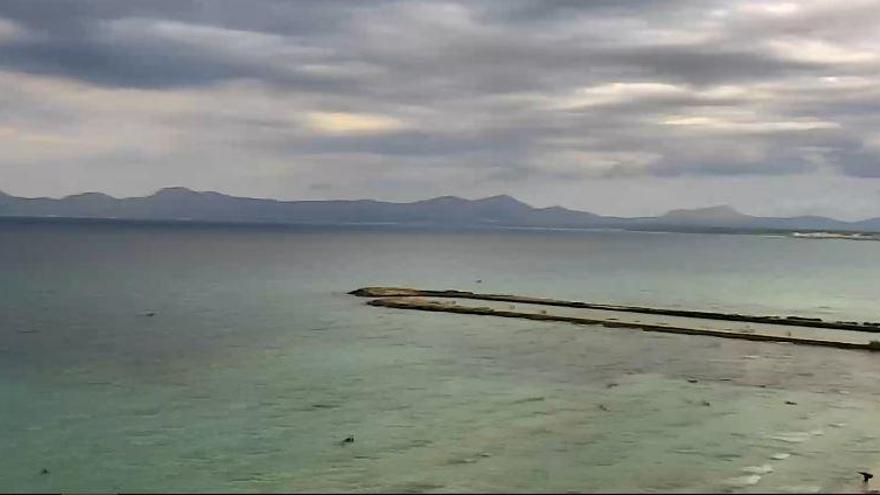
[
  {"x": 179, "y": 204},
  {"x": 183, "y": 222}
]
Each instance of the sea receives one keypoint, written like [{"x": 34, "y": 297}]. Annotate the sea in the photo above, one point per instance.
[{"x": 160, "y": 357}]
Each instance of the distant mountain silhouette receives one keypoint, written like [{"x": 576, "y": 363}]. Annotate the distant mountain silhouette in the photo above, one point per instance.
[
  {"x": 723, "y": 214},
  {"x": 180, "y": 203}
]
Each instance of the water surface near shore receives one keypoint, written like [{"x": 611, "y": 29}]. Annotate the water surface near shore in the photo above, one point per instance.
[{"x": 257, "y": 364}]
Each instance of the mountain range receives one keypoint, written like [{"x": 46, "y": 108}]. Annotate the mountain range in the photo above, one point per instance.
[{"x": 182, "y": 204}]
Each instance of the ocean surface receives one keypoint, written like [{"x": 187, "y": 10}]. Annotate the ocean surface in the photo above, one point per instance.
[{"x": 256, "y": 364}]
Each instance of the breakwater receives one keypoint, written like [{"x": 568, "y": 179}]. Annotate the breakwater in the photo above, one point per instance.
[
  {"x": 790, "y": 320},
  {"x": 447, "y": 301}
]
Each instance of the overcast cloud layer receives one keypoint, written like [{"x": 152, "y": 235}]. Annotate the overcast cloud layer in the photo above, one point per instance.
[{"x": 618, "y": 107}]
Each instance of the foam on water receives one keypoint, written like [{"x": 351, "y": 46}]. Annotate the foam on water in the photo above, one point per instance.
[
  {"x": 795, "y": 437},
  {"x": 762, "y": 469},
  {"x": 800, "y": 489},
  {"x": 744, "y": 481}
]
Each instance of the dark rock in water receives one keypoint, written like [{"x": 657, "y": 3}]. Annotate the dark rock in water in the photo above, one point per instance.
[
  {"x": 388, "y": 292},
  {"x": 44, "y": 471},
  {"x": 866, "y": 476},
  {"x": 149, "y": 314},
  {"x": 791, "y": 403},
  {"x": 706, "y": 403},
  {"x": 348, "y": 439},
  {"x": 611, "y": 385},
  {"x": 693, "y": 380},
  {"x": 479, "y": 281},
  {"x": 603, "y": 407}
]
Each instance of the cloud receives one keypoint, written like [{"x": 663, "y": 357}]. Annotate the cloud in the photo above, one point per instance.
[
  {"x": 404, "y": 99},
  {"x": 821, "y": 52},
  {"x": 351, "y": 123},
  {"x": 618, "y": 92},
  {"x": 10, "y": 31},
  {"x": 711, "y": 124}
]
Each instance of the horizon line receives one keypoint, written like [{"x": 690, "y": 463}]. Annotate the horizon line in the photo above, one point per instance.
[{"x": 451, "y": 196}]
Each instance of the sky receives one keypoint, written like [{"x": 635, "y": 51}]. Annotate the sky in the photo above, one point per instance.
[{"x": 612, "y": 106}]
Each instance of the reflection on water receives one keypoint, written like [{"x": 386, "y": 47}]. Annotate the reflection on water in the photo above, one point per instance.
[{"x": 256, "y": 365}]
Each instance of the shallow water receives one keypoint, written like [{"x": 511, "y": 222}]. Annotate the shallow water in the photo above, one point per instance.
[{"x": 256, "y": 364}]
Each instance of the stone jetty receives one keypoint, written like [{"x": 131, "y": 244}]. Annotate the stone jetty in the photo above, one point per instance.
[{"x": 443, "y": 301}]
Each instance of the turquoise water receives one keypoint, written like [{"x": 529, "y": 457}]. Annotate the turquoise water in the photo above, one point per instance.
[{"x": 256, "y": 364}]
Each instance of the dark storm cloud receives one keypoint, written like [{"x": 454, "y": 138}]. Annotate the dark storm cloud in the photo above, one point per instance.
[
  {"x": 72, "y": 39},
  {"x": 278, "y": 16},
  {"x": 704, "y": 64},
  {"x": 149, "y": 63},
  {"x": 123, "y": 44},
  {"x": 858, "y": 162}
]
